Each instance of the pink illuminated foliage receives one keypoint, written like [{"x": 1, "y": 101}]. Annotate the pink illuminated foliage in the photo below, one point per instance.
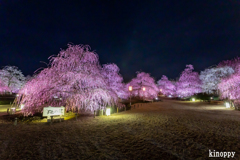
[
  {"x": 188, "y": 83},
  {"x": 233, "y": 63},
  {"x": 114, "y": 80},
  {"x": 73, "y": 79},
  {"x": 13, "y": 78},
  {"x": 230, "y": 86},
  {"x": 167, "y": 87},
  {"x": 143, "y": 80},
  {"x": 3, "y": 88}
]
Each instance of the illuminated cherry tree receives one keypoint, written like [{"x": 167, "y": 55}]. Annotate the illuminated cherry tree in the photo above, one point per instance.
[
  {"x": 233, "y": 63},
  {"x": 166, "y": 86},
  {"x": 114, "y": 80},
  {"x": 230, "y": 87},
  {"x": 3, "y": 87},
  {"x": 212, "y": 77},
  {"x": 143, "y": 80},
  {"x": 73, "y": 79},
  {"x": 188, "y": 83},
  {"x": 13, "y": 78}
]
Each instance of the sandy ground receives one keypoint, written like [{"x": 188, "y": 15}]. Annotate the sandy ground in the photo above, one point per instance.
[{"x": 159, "y": 130}]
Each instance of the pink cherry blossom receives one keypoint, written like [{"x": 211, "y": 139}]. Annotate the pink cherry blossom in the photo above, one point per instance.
[
  {"x": 233, "y": 63},
  {"x": 73, "y": 79},
  {"x": 167, "y": 87},
  {"x": 114, "y": 80},
  {"x": 143, "y": 80},
  {"x": 3, "y": 87},
  {"x": 229, "y": 86},
  {"x": 188, "y": 83}
]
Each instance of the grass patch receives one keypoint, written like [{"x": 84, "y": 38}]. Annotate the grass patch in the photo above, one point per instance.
[
  {"x": 5, "y": 102},
  {"x": 163, "y": 130}
]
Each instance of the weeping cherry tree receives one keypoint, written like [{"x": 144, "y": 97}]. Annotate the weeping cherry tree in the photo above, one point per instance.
[
  {"x": 230, "y": 87},
  {"x": 73, "y": 79},
  {"x": 114, "y": 80}
]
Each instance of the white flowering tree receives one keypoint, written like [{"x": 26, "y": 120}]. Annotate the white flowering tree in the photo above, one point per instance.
[
  {"x": 188, "y": 83},
  {"x": 212, "y": 77},
  {"x": 114, "y": 80},
  {"x": 73, "y": 79},
  {"x": 143, "y": 80},
  {"x": 13, "y": 78},
  {"x": 166, "y": 86}
]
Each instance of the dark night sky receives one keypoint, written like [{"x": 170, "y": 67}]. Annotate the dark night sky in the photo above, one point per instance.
[{"x": 158, "y": 37}]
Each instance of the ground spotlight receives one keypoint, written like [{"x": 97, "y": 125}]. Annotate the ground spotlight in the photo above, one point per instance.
[
  {"x": 108, "y": 111},
  {"x": 227, "y": 105}
]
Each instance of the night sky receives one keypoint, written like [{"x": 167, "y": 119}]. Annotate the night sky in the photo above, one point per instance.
[{"x": 158, "y": 37}]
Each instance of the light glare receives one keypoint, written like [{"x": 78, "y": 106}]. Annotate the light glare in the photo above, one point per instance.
[
  {"x": 22, "y": 106},
  {"x": 227, "y": 105},
  {"x": 130, "y": 88},
  {"x": 108, "y": 111}
]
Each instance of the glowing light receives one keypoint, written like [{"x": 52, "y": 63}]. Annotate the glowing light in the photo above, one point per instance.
[
  {"x": 160, "y": 90},
  {"x": 130, "y": 88},
  {"x": 170, "y": 96},
  {"x": 22, "y": 106},
  {"x": 17, "y": 95},
  {"x": 144, "y": 88},
  {"x": 193, "y": 99},
  {"x": 144, "y": 80},
  {"x": 156, "y": 98},
  {"x": 227, "y": 105},
  {"x": 108, "y": 111}
]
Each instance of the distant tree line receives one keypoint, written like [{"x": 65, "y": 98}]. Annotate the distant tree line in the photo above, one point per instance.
[{"x": 76, "y": 79}]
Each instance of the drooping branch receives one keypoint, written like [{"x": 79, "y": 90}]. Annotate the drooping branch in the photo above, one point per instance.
[{"x": 74, "y": 76}]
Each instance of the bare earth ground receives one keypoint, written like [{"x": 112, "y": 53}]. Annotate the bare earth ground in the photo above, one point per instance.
[{"x": 159, "y": 130}]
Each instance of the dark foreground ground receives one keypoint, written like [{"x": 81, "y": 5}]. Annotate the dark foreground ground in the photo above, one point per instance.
[{"x": 159, "y": 130}]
